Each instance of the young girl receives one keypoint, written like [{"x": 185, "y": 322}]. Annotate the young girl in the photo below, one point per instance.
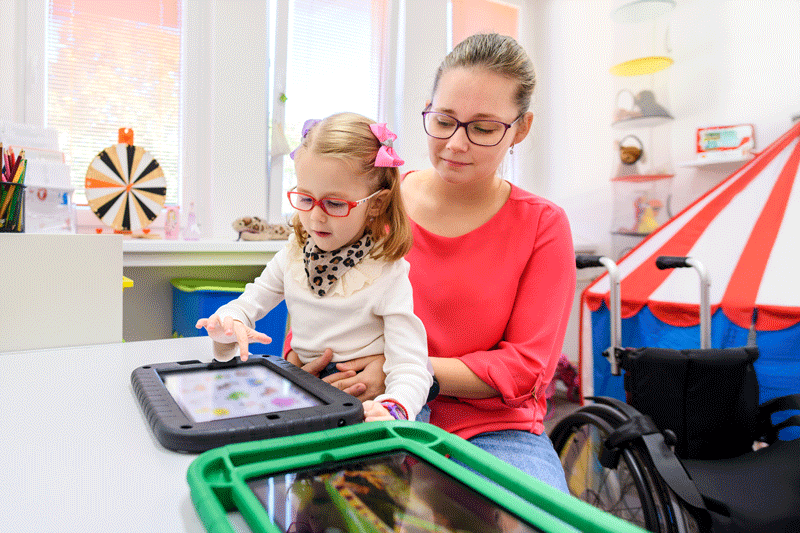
[{"x": 342, "y": 275}]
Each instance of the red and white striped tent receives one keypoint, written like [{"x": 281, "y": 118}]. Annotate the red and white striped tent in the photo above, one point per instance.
[{"x": 746, "y": 232}]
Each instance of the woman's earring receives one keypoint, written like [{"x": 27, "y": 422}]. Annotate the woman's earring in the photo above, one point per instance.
[{"x": 512, "y": 150}]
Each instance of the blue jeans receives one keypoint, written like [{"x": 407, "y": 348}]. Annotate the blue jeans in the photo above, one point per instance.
[{"x": 531, "y": 453}]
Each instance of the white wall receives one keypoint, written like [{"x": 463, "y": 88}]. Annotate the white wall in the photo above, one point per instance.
[{"x": 736, "y": 61}]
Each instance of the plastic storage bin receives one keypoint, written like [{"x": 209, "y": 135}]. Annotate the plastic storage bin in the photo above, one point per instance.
[{"x": 193, "y": 299}]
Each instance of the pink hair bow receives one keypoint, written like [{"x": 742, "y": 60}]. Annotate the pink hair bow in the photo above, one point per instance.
[
  {"x": 386, "y": 157},
  {"x": 307, "y": 125}
]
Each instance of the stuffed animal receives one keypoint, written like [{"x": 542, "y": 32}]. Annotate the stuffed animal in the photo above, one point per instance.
[
  {"x": 255, "y": 229},
  {"x": 568, "y": 375}
]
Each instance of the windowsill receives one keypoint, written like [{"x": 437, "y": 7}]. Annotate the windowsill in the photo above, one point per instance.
[{"x": 163, "y": 252}]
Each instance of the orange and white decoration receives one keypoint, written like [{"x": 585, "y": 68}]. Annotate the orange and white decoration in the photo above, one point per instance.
[{"x": 125, "y": 185}]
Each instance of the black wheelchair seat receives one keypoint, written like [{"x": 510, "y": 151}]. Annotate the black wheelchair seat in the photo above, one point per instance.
[{"x": 757, "y": 492}]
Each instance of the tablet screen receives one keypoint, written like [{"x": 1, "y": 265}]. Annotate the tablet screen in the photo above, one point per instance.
[
  {"x": 245, "y": 390},
  {"x": 397, "y": 492}
]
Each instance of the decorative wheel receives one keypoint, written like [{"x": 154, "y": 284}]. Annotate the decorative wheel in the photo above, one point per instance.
[{"x": 125, "y": 187}]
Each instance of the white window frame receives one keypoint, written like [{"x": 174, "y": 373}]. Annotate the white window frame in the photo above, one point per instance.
[{"x": 33, "y": 16}]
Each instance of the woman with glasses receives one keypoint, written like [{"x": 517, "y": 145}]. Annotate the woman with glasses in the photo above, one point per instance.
[
  {"x": 492, "y": 266},
  {"x": 343, "y": 275}
]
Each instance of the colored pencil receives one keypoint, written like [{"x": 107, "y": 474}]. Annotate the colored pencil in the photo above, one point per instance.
[{"x": 12, "y": 199}]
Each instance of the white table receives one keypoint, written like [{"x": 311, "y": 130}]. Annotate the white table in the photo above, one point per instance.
[{"x": 78, "y": 454}]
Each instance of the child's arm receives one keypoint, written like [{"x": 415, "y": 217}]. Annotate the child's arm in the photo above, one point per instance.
[
  {"x": 233, "y": 323},
  {"x": 227, "y": 334},
  {"x": 408, "y": 372}
]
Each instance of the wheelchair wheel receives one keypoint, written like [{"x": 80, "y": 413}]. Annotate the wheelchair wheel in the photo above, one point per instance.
[
  {"x": 627, "y": 486},
  {"x": 621, "y": 491}
]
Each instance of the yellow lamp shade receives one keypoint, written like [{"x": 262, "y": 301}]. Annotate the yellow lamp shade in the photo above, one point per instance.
[{"x": 641, "y": 65}]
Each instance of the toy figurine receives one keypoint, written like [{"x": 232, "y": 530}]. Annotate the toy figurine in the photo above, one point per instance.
[{"x": 171, "y": 223}]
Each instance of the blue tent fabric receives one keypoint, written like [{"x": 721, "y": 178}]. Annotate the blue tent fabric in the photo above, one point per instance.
[{"x": 777, "y": 367}]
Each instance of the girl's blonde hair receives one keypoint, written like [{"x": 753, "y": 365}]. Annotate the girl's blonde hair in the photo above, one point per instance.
[
  {"x": 496, "y": 53},
  {"x": 347, "y": 136}
]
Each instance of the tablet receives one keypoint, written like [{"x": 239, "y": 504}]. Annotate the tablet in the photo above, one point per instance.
[
  {"x": 380, "y": 477},
  {"x": 193, "y": 406}
]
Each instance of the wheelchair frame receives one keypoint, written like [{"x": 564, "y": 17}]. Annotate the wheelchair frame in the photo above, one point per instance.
[{"x": 616, "y": 458}]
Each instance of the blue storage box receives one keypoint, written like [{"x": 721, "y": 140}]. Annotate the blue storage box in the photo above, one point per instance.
[{"x": 193, "y": 299}]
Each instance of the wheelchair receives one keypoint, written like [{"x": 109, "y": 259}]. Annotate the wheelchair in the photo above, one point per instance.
[{"x": 691, "y": 450}]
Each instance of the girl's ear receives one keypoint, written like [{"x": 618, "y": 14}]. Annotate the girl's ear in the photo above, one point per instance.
[{"x": 378, "y": 203}]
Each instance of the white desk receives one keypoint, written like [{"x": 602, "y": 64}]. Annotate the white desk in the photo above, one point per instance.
[
  {"x": 79, "y": 455},
  {"x": 163, "y": 253}
]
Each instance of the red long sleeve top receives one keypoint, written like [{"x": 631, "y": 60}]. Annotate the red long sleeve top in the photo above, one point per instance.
[{"x": 499, "y": 299}]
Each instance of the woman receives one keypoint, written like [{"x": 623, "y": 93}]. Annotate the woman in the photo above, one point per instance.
[{"x": 492, "y": 266}]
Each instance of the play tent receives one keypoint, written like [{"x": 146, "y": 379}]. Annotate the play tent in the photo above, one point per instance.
[{"x": 746, "y": 232}]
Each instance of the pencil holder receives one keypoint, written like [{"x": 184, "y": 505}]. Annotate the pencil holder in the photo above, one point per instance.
[{"x": 12, "y": 207}]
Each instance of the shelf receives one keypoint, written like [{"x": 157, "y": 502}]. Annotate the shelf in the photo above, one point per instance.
[
  {"x": 640, "y": 122},
  {"x": 631, "y": 233},
  {"x": 716, "y": 162},
  {"x": 153, "y": 252},
  {"x": 643, "y": 177}
]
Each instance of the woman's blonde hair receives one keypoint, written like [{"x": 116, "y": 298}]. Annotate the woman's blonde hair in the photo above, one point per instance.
[
  {"x": 496, "y": 53},
  {"x": 347, "y": 136}
]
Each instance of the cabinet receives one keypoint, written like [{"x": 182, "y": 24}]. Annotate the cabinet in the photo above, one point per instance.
[{"x": 642, "y": 182}]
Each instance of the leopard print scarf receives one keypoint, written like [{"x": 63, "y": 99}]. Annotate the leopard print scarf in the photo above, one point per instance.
[{"x": 325, "y": 268}]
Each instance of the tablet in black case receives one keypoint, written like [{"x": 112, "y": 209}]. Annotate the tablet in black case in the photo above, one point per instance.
[{"x": 193, "y": 406}]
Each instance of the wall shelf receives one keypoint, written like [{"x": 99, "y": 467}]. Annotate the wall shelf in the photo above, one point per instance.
[
  {"x": 716, "y": 162},
  {"x": 640, "y": 122}
]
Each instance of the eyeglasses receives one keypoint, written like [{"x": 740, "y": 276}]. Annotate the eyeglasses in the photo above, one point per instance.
[
  {"x": 479, "y": 132},
  {"x": 335, "y": 207}
]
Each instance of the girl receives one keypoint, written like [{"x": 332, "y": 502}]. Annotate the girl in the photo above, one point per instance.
[{"x": 342, "y": 274}]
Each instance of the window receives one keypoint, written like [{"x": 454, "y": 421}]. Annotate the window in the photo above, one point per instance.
[
  {"x": 336, "y": 52},
  {"x": 112, "y": 65},
  {"x": 482, "y": 16}
]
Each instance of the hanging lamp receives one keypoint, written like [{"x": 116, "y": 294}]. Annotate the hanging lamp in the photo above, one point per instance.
[{"x": 645, "y": 52}]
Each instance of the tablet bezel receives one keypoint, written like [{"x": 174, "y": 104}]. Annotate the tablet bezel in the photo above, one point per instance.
[{"x": 176, "y": 431}]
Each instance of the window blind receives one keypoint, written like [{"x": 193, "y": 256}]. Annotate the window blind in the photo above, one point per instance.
[
  {"x": 336, "y": 58},
  {"x": 114, "y": 64}
]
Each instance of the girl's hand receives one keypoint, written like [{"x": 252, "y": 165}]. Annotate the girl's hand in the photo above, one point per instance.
[
  {"x": 230, "y": 331},
  {"x": 362, "y": 377},
  {"x": 374, "y": 411}
]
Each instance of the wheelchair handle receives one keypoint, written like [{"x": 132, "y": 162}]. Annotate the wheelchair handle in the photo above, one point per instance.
[
  {"x": 665, "y": 262},
  {"x": 614, "y": 302},
  {"x": 588, "y": 261}
]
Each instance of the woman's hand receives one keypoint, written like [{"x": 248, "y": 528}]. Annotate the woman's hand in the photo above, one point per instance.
[
  {"x": 230, "y": 331},
  {"x": 362, "y": 377}
]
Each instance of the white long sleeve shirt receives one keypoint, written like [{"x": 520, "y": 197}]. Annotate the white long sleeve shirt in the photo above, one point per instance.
[{"x": 369, "y": 311}]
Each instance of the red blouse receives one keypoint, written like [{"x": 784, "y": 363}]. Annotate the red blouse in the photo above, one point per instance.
[{"x": 499, "y": 299}]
